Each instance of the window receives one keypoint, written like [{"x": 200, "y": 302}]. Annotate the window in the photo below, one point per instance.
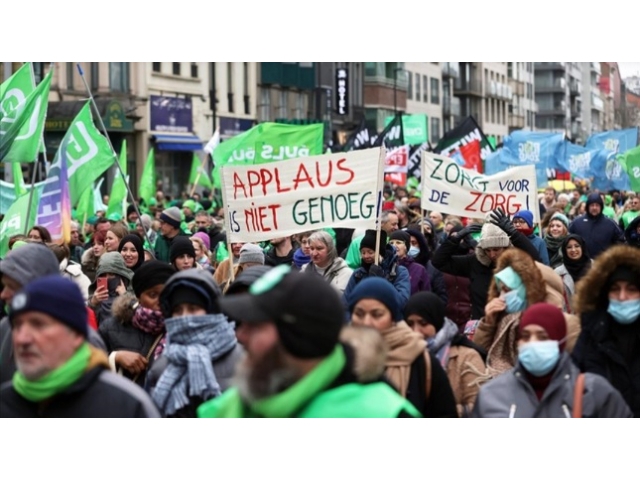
[
  {"x": 70, "y": 75},
  {"x": 119, "y": 76},
  {"x": 265, "y": 105},
  {"x": 435, "y": 91},
  {"x": 230, "y": 87},
  {"x": 299, "y": 112},
  {"x": 156, "y": 66},
  {"x": 245, "y": 88},
  {"x": 282, "y": 107},
  {"x": 95, "y": 76},
  {"x": 194, "y": 70},
  {"x": 425, "y": 88},
  {"x": 175, "y": 68},
  {"x": 409, "y": 86},
  {"x": 435, "y": 129},
  {"x": 418, "y": 87}
]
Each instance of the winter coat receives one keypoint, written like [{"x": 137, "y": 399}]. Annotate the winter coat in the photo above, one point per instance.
[
  {"x": 436, "y": 278},
  {"x": 511, "y": 395},
  {"x": 119, "y": 333},
  {"x": 630, "y": 233},
  {"x": 541, "y": 246},
  {"x": 499, "y": 335},
  {"x": 597, "y": 349},
  {"x": 99, "y": 393},
  {"x": 418, "y": 275},
  {"x": 475, "y": 266},
  {"x": 163, "y": 247},
  {"x": 395, "y": 273},
  {"x": 337, "y": 274},
  {"x": 271, "y": 259},
  {"x": 73, "y": 272},
  {"x": 358, "y": 390},
  {"x": 223, "y": 368},
  {"x": 599, "y": 233},
  {"x": 223, "y": 271}
]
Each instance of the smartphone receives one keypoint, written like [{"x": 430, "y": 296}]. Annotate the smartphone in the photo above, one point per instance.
[{"x": 103, "y": 282}]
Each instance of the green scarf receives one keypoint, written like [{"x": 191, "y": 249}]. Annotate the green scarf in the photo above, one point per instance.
[
  {"x": 285, "y": 404},
  {"x": 55, "y": 381}
]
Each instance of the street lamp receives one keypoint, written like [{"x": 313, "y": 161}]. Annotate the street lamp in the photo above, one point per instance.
[{"x": 395, "y": 88}]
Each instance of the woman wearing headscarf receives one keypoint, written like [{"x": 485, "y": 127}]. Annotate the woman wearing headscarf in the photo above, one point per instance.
[
  {"x": 543, "y": 382},
  {"x": 575, "y": 264},
  {"x": 415, "y": 372},
  {"x": 201, "y": 350},
  {"x": 135, "y": 332},
  {"x": 556, "y": 232},
  {"x": 132, "y": 251},
  {"x": 461, "y": 359},
  {"x": 608, "y": 303},
  {"x": 419, "y": 251}
]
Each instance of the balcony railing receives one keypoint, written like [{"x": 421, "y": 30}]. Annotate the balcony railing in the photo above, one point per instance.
[
  {"x": 468, "y": 86},
  {"x": 546, "y": 85},
  {"x": 549, "y": 65},
  {"x": 450, "y": 69},
  {"x": 451, "y": 106}
]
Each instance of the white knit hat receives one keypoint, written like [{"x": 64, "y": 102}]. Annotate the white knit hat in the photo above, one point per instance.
[{"x": 492, "y": 237}]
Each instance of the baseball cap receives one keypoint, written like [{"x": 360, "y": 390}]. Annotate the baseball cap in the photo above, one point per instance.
[{"x": 306, "y": 310}]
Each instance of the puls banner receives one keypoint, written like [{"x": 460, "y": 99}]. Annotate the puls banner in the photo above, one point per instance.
[
  {"x": 292, "y": 196},
  {"x": 448, "y": 187}
]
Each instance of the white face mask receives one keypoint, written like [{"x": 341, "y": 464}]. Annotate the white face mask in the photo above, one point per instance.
[{"x": 414, "y": 252}]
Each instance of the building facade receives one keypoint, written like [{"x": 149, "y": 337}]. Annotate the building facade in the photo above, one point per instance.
[
  {"x": 592, "y": 101},
  {"x": 523, "y": 107},
  {"x": 425, "y": 96},
  {"x": 450, "y": 103}
]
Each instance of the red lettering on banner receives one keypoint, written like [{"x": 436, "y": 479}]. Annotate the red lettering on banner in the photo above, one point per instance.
[
  {"x": 491, "y": 201},
  {"x": 265, "y": 177},
  {"x": 237, "y": 184},
  {"x": 320, "y": 182},
  {"x": 278, "y": 186},
  {"x": 254, "y": 218},
  {"x": 300, "y": 178},
  {"x": 253, "y": 178},
  {"x": 345, "y": 169}
]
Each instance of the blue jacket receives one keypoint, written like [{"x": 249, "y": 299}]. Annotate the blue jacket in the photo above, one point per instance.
[
  {"x": 599, "y": 232},
  {"x": 539, "y": 245},
  {"x": 395, "y": 273}
]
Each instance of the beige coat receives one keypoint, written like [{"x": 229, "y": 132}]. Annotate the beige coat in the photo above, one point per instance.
[{"x": 465, "y": 370}]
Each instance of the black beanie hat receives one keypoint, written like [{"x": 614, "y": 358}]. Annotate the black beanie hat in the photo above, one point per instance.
[
  {"x": 626, "y": 273},
  {"x": 131, "y": 209},
  {"x": 428, "y": 306},
  {"x": 369, "y": 240},
  {"x": 150, "y": 274},
  {"x": 186, "y": 294},
  {"x": 403, "y": 236},
  {"x": 137, "y": 243},
  {"x": 179, "y": 246}
]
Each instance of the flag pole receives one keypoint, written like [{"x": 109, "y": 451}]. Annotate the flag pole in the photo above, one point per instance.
[
  {"x": 195, "y": 182},
  {"x": 35, "y": 163},
  {"x": 117, "y": 162}
]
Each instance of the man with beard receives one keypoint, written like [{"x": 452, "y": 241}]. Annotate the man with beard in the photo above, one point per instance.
[
  {"x": 281, "y": 252},
  {"x": 298, "y": 364}
]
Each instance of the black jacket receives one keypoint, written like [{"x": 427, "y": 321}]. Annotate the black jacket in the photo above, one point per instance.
[
  {"x": 597, "y": 351},
  {"x": 273, "y": 260},
  {"x": 98, "y": 394},
  {"x": 441, "y": 402},
  {"x": 446, "y": 260}
]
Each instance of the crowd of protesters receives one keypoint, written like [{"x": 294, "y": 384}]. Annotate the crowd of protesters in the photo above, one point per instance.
[{"x": 434, "y": 315}]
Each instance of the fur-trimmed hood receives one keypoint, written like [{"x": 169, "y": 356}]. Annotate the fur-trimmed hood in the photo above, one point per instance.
[
  {"x": 370, "y": 352},
  {"x": 524, "y": 266},
  {"x": 591, "y": 289},
  {"x": 123, "y": 307}
]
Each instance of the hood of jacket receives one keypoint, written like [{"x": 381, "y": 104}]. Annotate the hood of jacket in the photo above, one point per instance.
[
  {"x": 483, "y": 258},
  {"x": 123, "y": 307},
  {"x": 591, "y": 291},
  {"x": 524, "y": 266},
  {"x": 425, "y": 250},
  {"x": 112, "y": 262},
  {"x": 594, "y": 198},
  {"x": 369, "y": 349},
  {"x": 336, "y": 266},
  {"x": 630, "y": 233},
  {"x": 553, "y": 285}
]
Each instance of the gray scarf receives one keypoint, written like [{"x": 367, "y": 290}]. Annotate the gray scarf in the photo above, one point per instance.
[
  {"x": 440, "y": 344},
  {"x": 193, "y": 344}
]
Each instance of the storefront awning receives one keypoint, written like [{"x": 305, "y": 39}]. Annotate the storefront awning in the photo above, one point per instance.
[{"x": 181, "y": 143}]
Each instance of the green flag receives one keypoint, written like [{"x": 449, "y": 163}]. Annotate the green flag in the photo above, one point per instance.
[
  {"x": 18, "y": 179},
  {"x": 89, "y": 154},
  {"x": 147, "y": 189},
  {"x": 203, "y": 179},
  {"x": 13, "y": 222},
  {"x": 631, "y": 162},
  {"x": 16, "y": 88},
  {"x": 268, "y": 142},
  {"x": 22, "y": 122},
  {"x": 85, "y": 208},
  {"x": 118, "y": 197}
]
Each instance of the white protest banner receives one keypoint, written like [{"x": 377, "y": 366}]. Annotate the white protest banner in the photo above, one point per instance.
[
  {"x": 449, "y": 188},
  {"x": 291, "y": 196},
  {"x": 397, "y": 160}
]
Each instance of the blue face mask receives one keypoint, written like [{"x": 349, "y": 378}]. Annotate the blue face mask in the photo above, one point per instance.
[
  {"x": 625, "y": 312},
  {"x": 539, "y": 358},
  {"x": 414, "y": 251},
  {"x": 515, "y": 300}
]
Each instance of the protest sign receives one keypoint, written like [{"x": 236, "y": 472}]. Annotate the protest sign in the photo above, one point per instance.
[
  {"x": 291, "y": 196},
  {"x": 447, "y": 187}
]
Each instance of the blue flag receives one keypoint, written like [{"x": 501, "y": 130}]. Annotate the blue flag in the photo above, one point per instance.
[
  {"x": 617, "y": 141},
  {"x": 502, "y": 159},
  {"x": 530, "y": 148},
  {"x": 492, "y": 163},
  {"x": 583, "y": 162},
  {"x": 610, "y": 174}
]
